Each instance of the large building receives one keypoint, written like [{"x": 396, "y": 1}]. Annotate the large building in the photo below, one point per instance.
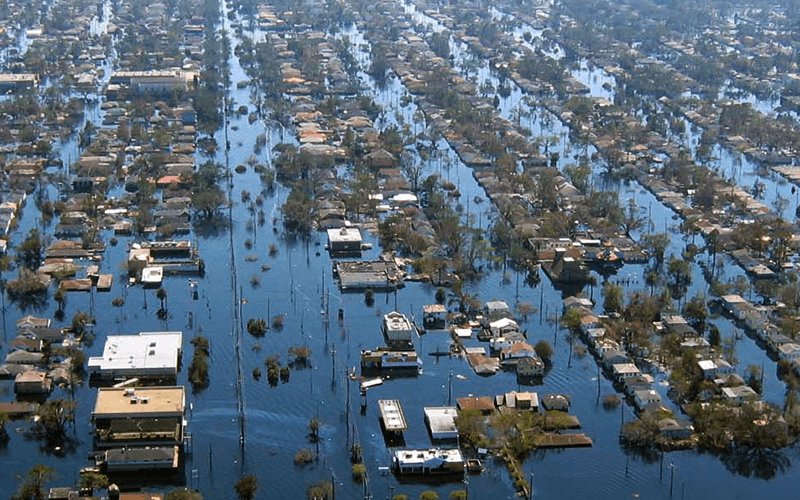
[
  {"x": 397, "y": 328},
  {"x": 153, "y": 355},
  {"x": 140, "y": 417},
  {"x": 344, "y": 239}
]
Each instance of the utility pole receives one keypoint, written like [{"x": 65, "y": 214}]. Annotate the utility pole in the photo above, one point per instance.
[{"x": 671, "y": 477}]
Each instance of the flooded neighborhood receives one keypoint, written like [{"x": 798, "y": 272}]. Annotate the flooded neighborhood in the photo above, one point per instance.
[{"x": 399, "y": 249}]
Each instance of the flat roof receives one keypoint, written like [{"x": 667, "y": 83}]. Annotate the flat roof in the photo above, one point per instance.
[
  {"x": 154, "y": 351},
  {"x": 442, "y": 420},
  {"x": 395, "y": 321},
  {"x": 139, "y": 402},
  {"x": 392, "y": 415},
  {"x": 344, "y": 234}
]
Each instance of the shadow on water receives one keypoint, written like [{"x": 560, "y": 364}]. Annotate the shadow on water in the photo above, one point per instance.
[
  {"x": 759, "y": 463},
  {"x": 212, "y": 227},
  {"x": 646, "y": 454},
  {"x": 30, "y": 302}
]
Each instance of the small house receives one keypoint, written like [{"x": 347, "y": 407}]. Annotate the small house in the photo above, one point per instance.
[
  {"x": 625, "y": 370},
  {"x": 557, "y": 402},
  {"x": 31, "y": 382},
  {"x": 434, "y": 316},
  {"x": 739, "y": 395},
  {"x": 530, "y": 367},
  {"x": 646, "y": 397}
]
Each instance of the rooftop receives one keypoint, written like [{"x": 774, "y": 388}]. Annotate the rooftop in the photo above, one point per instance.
[
  {"x": 140, "y": 402},
  {"x": 442, "y": 420},
  {"x": 395, "y": 321},
  {"x": 147, "y": 351},
  {"x": 344, "y": 234},
  {"x": 392, "y": 415}
]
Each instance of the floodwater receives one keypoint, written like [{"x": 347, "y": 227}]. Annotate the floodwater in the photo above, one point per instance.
[{"x": 295, "y": 286}]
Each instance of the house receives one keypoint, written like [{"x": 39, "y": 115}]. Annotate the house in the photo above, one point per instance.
[
  {"x": 530, "y": 367},
  {"x": 595, "y": 335},
  {"x": 380, "y": 158},
  {"x": 26, "y": 344},
  {"x": 573, "y": 302},
  {"x": 646, "y": 397},
  {"x": 441, "y": 421},
  {"x": 605, "y": 345},
  {"x": 733, "y": 304},
  {"x": 624, "y": 370},
  {"x": 33, "y": 323},
  {"x": 614, "y": 357},
  {"x": 698, "y": 344},
  {"x": 32, "y": 382},
  {"x": 637, "y": 383},
  {"x": 18, "y": 81},
  {"x": 789, "y": 352},
  {"x": 739, "y": 395},
  {"x": 148, "y": 355},
  {"x": 589, "y": 322},
  {"x": 344, "y": 239},
  {"x": 429, "y": 462},
  {"x": 675, "y": 428},
  {"x": 517, "y": 351},
  {"x": 137, "y": 417},
  {"x": 397, "y": 328},
  {"x": 482, "y": 404},
  {"x": 679, "y": 325},
  {"x": 527, "y": 401},
  {"x": 502, "y": 327},
  {"x": 557, "y": 402},
  {"x": 118, "y": 460},
  {"x": 494, "y": 310},
  {"x": 716, "y": 368},
  {"x": 434, "y": 316},
  {"x": 24, "y": 358},
  {"x": 497, "y": 344}
]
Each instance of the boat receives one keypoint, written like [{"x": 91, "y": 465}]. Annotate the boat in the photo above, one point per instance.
[{"x": 433, "y": 461}]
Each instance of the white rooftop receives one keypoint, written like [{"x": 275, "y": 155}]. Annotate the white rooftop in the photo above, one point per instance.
[
  {"x": 344, "y": 234},
  {"x": 442, "y": 421},
  {"x": 395, "y": 321},
  {"x": 148, "y": 353}
]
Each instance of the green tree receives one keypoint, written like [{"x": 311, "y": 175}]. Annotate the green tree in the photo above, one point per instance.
[
  {"x": 429, "y": 495},
  {"x": 29, "y": 252},
  {"x": 54, "y": 416},
  {"x": 93, "y": 480},
  {"x": 543, "y": 350},
  {"x": 613, "y": 299},
  {"x": 696, "y": 312},
  {"x": 679, "y": 272},
  {"x": 322, "y": 490},
  {"x": 184, "y": 494},
  {"x": 32, "y": 485},
  {"x": 256, "y": 327},
  {"x": 656, "y": 245},
  {"x": 246, "y": 487}
]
